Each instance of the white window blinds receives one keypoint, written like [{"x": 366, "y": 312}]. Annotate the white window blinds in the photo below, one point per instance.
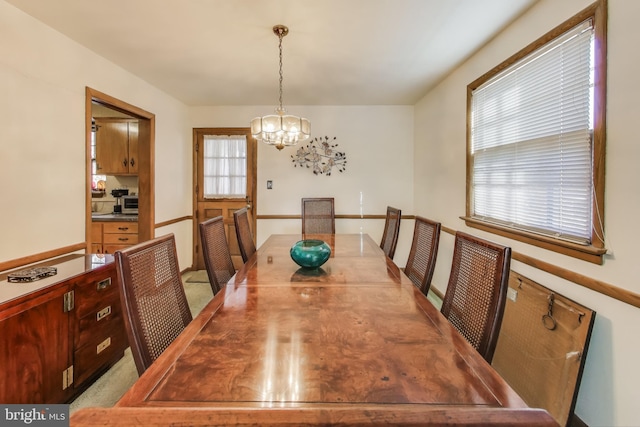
[
  {"x": 531, "y": 141},
  {"x": 225, "y": 166}
]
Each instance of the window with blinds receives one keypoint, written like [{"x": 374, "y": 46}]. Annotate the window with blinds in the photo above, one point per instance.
[{"x": 531, "y": 142}]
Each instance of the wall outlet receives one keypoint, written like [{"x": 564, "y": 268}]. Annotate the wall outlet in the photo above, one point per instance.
[
  {"x": 269, "y": 185},
  {"x": 512, "y": 294}
]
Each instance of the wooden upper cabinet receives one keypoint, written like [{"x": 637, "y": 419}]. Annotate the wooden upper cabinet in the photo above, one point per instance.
[
  {"x": 117, "y": 147},
  {"x": 133, "y": 147}
]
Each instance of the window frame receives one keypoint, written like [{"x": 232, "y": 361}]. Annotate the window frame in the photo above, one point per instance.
[{"x": 595, "y": 251}]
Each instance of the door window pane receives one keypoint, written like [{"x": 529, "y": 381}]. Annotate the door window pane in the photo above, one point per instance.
[{"x": 225, "y": 166}]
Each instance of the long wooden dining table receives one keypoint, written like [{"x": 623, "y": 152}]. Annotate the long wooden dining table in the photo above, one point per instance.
[{"x": 352, "y": 342}]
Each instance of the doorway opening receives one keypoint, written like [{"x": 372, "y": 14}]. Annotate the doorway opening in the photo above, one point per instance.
[{"x": 145, "y": 161}]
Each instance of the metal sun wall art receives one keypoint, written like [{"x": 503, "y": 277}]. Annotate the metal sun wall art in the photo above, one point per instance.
[{"x": 320, "y": 155}]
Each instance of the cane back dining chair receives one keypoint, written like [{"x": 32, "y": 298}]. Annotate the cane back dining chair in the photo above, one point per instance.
[
  {"x": 391, "y": 231},
  {"x": 475, "y": 297},
  {"x": 243, "y": 233},
  {"x": 424, "y": 251},
  {"x": 318, "y": 216},
  {"x": 215, "y": 250},
  {"x": 154, "y": 303}
]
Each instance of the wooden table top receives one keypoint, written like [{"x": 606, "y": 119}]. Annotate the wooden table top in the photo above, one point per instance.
[
  {"x": 354, "y": 339},
  {"x": 355, "y": 260}
]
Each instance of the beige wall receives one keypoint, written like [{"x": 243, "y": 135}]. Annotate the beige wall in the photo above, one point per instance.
[
  {"x": 412, "y": 158},
  {"x": 42, "y": 100},
  {"x": 378, "y": 142},
  {"x": 609, "y": 394}
]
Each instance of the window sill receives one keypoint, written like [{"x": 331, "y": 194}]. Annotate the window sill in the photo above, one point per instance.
[{"x": 586, "y": 253}]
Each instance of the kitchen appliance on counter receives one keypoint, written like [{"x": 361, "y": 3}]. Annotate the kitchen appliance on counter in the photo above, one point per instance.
[
  {"x": 130, "y": 205},
  {"x": 118, "y": 193}
]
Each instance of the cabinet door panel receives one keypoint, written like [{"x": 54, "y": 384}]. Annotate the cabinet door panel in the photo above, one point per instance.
[
  {"x": 112, "y": 147},
  {"x": 33, "y": 354},
  {"x": 96, "y": 232},
  {"x": 133, "y": 148}
]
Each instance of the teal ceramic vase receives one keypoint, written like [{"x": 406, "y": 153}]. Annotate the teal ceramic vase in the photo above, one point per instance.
[{"x": 310, "y": 253}]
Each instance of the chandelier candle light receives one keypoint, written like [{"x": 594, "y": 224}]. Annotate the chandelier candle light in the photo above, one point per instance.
[{"x": 280, "y": 129}]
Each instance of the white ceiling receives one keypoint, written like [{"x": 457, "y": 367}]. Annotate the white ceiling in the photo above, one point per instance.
[{"x": 338, "y": 52}]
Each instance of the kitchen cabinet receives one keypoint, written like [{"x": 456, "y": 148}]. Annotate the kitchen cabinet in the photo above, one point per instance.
[
  {"x": 108, "y": 237},
  {"x": 117, "y": 146},
  {"x": 96, "y": 237},
  {"x": 60, "y": 333},
  {"x": 118, "y": 235}
]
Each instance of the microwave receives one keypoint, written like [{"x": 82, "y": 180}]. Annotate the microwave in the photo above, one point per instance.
[{"x": 130, "y": 205}]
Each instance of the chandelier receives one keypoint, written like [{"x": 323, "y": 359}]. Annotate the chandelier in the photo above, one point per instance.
[{"x": 280, "y": 129}]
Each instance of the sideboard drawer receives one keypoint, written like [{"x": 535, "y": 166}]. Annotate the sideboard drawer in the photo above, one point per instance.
[
  {"x": 101, "y": 350},
  {"x": 102, "y": 321},
  {"x": 99, "y": 335},
  {"x": 95, "y": 291}
]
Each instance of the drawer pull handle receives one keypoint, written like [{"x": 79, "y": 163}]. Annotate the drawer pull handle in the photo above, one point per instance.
[
  {"x": 103, "y": 313},
  {"x": 104, "y": 344},
  {"x": 123, "y": 239},
  {"x": 123, "y": 228},
  {"x": 104, "y": 283}
]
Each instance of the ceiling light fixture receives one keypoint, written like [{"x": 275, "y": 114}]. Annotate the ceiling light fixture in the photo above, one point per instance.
[{"x": 280, "y": 129}]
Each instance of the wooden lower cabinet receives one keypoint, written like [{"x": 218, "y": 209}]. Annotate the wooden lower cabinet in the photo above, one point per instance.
[
  {"x": 35, "y": 354},
  {"x": 96, "y": 237},
  {"x": 59, "y": 340},
  {"x": 108, "y": 237}
]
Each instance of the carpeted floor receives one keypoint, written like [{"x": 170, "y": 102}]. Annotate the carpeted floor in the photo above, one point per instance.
[
  {"x": 199, "y": 276},
  {"x": 108, "y": 389}
]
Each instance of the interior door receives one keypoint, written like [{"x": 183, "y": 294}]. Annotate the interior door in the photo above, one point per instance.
[{"x": 225, "y": 181}]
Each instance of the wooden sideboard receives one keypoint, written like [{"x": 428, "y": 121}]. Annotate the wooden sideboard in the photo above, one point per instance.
[{"x": 60, "y": 333}]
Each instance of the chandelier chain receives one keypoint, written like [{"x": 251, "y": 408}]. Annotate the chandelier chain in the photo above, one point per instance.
[{"x": 280, "y": 49}]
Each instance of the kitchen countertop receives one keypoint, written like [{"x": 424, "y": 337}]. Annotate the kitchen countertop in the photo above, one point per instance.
[{"x": 111, "y": 217}]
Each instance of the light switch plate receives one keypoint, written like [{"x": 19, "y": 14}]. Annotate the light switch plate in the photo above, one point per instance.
[{"x": 269, "y": 185}]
